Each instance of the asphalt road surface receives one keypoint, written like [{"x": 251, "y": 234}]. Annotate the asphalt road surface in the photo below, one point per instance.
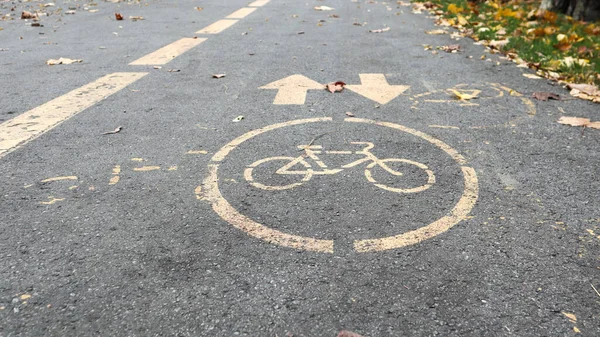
[{"x": 261, "y": 204}]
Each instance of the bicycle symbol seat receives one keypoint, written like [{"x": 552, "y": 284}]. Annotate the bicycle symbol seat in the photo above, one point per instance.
[{"x": 306, "y": 170}]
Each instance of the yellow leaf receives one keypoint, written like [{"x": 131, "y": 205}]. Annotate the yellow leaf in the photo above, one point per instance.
[
  {"x": 463, "y": 96},
  {"x": 461, "y": 20},
  {"x": 452, "y": 8}
]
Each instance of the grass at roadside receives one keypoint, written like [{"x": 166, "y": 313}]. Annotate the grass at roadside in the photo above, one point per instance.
[{"x": 555, "y": 45}]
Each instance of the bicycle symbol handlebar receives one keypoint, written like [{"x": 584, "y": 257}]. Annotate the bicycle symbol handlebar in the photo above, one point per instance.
[{"x": 311, "y": 151}]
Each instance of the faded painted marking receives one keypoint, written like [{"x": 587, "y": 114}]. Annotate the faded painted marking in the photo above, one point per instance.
[
  {"x": 172, "y": 168},
  {"x": 18, "y": 131},
  {"x": 198, "y": 192},
  {"x": 444, "y": 127},
  {"x": 168, "y": 52},
  {"x": 338, "y": 152},
  {"x": 217, "y": 27},
  {"x": 52, "y": 201},
  {"x": 531, "y": 110},
  {"x": 242, "y": 222},
  {"x": 73, "y": 187},
  {"x": 376, "y": 88},
  {"x": 146, "y": 168},
  {"x": 458, "y": 213},
  {"x": 209, "y": 190},
  {"x": 259, "y": 3},
  {"x": 241, "y": 13},
  {"x": 137, "y": 159},
  {"x": 114, "y": 180},
  {"x": 292, "y": 89},
  {"x": 116, "y": 169},
  {"x": 197, "y": 152},
  {"x": 59, "y": 179}
]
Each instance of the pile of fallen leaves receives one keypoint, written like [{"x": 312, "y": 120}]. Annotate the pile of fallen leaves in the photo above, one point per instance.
[{"x": 554, "y": 45}]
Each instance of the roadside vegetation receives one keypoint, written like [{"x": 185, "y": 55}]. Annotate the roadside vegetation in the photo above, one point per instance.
[{"x": 554, "y": 45}]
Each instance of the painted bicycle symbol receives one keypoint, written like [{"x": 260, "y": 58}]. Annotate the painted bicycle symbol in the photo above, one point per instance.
[{"x": 306, "y": 170}]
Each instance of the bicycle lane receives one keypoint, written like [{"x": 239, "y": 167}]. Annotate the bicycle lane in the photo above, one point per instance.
[{"x": 181, "y": 263}]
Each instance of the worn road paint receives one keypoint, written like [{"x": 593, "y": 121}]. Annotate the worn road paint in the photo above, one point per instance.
[
  {"x": 241, "y": 13},
  {"x": 376, "y": 88},
  {"x": 293, "y": 89},
  {"x": 444, "y": 127},
  {"x": 146, "y": 168},
  {"x": 197, "y": 152},
  {"x": 168, "y": 52},
  {"x": 259, "y": 3},
  {"x": 52, "y": 201},
  {"x": 217, "y": 27},
  {"x": 16, "y": 132},
  {"x": 59, "y": 179},
  {"x": 209, "y": 191},
  {"x": 116, "y": 171}
]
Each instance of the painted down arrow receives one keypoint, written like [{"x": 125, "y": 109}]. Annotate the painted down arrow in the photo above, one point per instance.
[
  {"x": 375, "y": 87},
  {"x": 292, "y": 89}
]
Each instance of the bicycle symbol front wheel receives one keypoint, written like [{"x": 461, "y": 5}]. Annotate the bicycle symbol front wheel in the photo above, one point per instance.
[
  {"x": 304, "y": 176},
  {"x": 382, "y": 164}
]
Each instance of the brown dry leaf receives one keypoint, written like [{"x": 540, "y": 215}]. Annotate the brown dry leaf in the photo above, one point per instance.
[
  {"x": 323, "y": 8},
  {"x": 117, "y": 130},
  {"x": 335, "y": 86},
  {"x": 544, "y": 96},
  {"x": 453, "y": 48},
  {"x": 335, "y": 16},
  {"x": 357, "y": 24},
  {"x": 585, "y": 91},
  {"x": 28, "y": 15},
  {"x": 436, "y": 32},
  {"x": 349, "y": 114},
  {"x": 135, "y": 18},
  {"x": 379, "y": 30},
  {"x": 578, "y": 121},
  {"x": 463, "y": 96},
  {"x": 62, "y": 60},
  {"x": 218, "y": 75},
  {"x": 118, "y": 16},
  {"x": 532, "y": 76}
]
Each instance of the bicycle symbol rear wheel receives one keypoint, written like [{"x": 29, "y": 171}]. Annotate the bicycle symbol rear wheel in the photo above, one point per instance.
[
  {"x": 303, "y": 176},
  {"x": 421, "y": 188}
]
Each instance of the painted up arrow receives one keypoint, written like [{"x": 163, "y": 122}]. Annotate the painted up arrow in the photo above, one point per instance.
[
  {"x": 292, "y": 89},
  {"x": 375, "y": 87}
]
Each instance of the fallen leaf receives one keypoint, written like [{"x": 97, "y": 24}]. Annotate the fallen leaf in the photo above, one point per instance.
[
  {"x": 174, "y": 70},
  {"x": 70, "y": 12},
  {"x": 357, "y": 24},
  {"x": 463, "y": 96},
  {"x": 436, "y": 32},
  {"x": 349, "y": 114},
  {"x": 117, "y": 130},
  {"x": 118, "y": 16},
  {"x": 62, "y": 60},
  {"x": 157, "y": 67},
  {"x": 300, "y": 33},
  {"x": 578, "y": 121},
  {"x": 585, "y": 91},
  {"x": 237, "y": 119},
  {"x": 379, "y": 30},
  {"x": 461, "y": 20},
  {"x": 532, "y": 76},
  {"x": 218, "y": 75},
  {"x": 135, "y": 18},
  {"x": 335, "y": 16},
  {"x": 453, "y": 48},
  {"x": 28, "y": 15},
  {"x": 335, "y": 86},
  {"x": 544, "y": 96},
  {"x": 323, "y": 8},
  {"x": 198, "y": 8}
]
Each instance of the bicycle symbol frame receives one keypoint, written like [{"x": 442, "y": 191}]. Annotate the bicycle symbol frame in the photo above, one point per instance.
[
  {"x": 209, "y": 191},
  {"x": 311, "y": 151}
]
